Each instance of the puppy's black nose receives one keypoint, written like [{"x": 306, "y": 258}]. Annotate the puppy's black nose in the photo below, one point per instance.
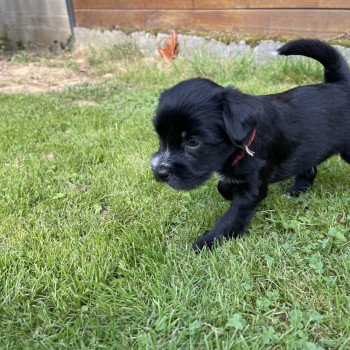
[{"x": 161, "y": 173}]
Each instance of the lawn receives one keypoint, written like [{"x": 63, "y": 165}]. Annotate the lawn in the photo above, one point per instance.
[{"x": 94, "y": 254}]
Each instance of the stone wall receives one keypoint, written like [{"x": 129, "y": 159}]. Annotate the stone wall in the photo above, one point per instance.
[
  {"x": 39, "y": 22},
  {"x": 188, "y": 44}
]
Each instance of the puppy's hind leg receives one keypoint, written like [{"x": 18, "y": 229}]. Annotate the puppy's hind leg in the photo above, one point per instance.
[{"x": 303, "y": 182}]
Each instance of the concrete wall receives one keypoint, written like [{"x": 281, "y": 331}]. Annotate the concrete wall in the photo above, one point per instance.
[{"x": 37, "y": 21}]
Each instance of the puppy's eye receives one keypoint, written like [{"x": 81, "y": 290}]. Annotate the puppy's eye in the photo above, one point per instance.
[{"x": 192, "y": 142}]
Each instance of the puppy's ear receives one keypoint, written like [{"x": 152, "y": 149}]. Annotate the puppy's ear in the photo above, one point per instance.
[{"x": 240, "y": 114}]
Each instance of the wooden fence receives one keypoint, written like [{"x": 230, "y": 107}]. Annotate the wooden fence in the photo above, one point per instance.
[{"x": 316, "y": 18}]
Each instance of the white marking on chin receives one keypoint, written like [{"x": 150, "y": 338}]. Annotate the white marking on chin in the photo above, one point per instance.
[{"x": 274, "y": 53}]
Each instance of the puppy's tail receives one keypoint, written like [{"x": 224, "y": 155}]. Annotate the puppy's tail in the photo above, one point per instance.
[{"x": 336, "y": 68}]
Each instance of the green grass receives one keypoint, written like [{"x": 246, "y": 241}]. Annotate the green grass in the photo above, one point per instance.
[{"x": 94, "y": 254}]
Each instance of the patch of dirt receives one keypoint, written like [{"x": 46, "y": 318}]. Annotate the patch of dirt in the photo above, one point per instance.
[
  {"x": 85, "y": 103},
  {"x": 41, "y": 77}
]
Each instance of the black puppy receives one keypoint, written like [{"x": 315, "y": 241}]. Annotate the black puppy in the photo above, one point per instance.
[{"x": 252, "y": 141}]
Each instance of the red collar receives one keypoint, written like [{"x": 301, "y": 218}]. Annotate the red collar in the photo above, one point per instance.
[{"x": 242, "y": 153}]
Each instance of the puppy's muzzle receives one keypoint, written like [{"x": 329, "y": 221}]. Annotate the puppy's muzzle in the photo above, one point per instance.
[
  {"x": 161, "y": 173},
  {"x": 160, "y": 166}
]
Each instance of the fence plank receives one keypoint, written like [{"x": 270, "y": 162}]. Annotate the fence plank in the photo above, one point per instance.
[
  {"x": 209, "y": 4},
  {"x": 317, "y": 23}
]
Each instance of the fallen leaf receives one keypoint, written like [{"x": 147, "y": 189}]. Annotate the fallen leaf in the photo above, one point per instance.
[{"x": 169, "y": 52}]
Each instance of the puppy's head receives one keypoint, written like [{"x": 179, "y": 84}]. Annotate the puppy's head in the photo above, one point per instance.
[{"x": 200, "y": 125}]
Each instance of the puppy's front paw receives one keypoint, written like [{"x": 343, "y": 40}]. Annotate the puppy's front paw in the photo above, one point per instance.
[
  {"x": 296, "y": 190},
  {"x": 205, "y": 241}
]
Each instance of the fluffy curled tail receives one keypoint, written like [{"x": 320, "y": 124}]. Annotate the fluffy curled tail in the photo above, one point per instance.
[{"x": 335, "y": 66}]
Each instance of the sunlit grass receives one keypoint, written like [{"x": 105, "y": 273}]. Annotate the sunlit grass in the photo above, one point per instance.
[{"x": 94, "y": 254}]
